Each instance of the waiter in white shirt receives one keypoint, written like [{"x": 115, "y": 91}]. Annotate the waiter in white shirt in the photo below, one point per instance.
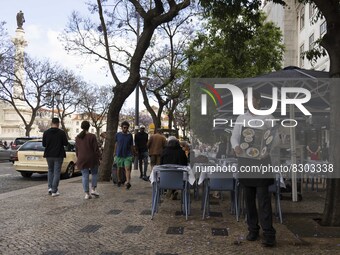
[{"x": 255, "y": 185}]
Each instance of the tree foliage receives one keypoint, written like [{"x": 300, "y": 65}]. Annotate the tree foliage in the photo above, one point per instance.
[{"x": 235, "y": 47}]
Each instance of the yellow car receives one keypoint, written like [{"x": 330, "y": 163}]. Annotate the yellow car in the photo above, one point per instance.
[{"x": 31, "y": 160}]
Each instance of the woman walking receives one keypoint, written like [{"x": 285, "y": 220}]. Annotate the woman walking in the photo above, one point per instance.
[{"x": 88, "y": 155}]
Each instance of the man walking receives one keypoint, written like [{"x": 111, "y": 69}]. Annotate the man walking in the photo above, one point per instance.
[
  {"x": 141, "y": 140},
  {"x": 124, "y": 152},
  {"x": 54, "y": 140},
  {"x": 155, "y": 145}
]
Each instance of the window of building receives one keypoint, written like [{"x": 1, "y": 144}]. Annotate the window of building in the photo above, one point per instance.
[
  {"x": 77, "y": 123},
  {"x": 302, "y": 49},
  {"x": 302, "y": 18},
  {"x": 77, "y": 130},
  {"x": 323, "y": 28},
  {"x": 311, "y": 42}
]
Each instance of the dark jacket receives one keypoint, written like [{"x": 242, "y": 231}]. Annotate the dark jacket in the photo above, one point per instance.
[
  {"x": 174, "y": 155},
  {"x": 87, "y": 151},
  {"x": 54, "y": 140},
  {"x": 141, "y": 140}
]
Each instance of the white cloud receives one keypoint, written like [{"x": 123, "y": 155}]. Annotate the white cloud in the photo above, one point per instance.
[{"x": 34, "y": 32}]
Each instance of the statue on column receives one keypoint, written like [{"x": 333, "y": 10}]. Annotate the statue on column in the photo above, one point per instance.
[{"x": 20, "y": 19}]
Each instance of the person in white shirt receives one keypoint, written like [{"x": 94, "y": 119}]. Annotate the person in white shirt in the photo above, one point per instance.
[{"x": 255, "y": 185}]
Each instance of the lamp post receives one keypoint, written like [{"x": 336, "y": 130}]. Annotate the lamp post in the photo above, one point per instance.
[
  {"x": 137, "y": 106},
  {"x": 54, "y": 95}
]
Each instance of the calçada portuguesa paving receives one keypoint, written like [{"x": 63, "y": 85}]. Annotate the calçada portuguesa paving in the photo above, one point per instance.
[{"x": 119, "y": 222}]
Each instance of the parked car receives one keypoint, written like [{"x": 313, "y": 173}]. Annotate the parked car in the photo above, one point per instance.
[
  {"x": 20, "y": 141},
  {"x": 31, "y": 160},
  {"x": 4, "y": 153}
]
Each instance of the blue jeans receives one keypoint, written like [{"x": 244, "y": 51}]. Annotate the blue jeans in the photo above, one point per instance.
[
  {"x": 54, "y": 169},
  {"x": 85, "y": 174}
]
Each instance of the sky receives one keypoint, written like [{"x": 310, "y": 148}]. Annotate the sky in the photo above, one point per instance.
[{"x": 44, "y": 21}]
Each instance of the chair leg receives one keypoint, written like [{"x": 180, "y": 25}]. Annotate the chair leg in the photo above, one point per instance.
[
  {"x": 189, "y": 201},
  {"x": 196, "y": 190},
  {"x": 203, "y": 198},
  {"x": 186, "y": 203},
  {"x": 158, "y": 197},
  {"x": 182, "y": 202},
  {"x": 279, "y": 207},
  {"x": 236, "y": 203},
  {"x": 206, "y": 194},
  {"x": 154, "y": 201}
]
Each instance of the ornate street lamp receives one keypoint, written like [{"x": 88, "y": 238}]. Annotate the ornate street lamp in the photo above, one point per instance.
[{"x": 55, "y": 96}]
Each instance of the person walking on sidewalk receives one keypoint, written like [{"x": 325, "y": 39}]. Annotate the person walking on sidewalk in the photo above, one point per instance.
[
  {"x": 88, "y": 156},
  {"x": 155, "y": 145},
  {"x": 141, "y": 140},
  {"x": 54, "y": 140},
  {"x": 124, "y": 152}
]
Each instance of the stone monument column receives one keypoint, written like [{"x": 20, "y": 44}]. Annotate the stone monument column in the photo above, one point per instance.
[{"x": 20, "y": 43}]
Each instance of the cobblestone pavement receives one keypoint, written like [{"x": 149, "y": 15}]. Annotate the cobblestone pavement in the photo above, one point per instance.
[
  {"x": 119, "y": 222},
  {"x": 12, "y": 180}
]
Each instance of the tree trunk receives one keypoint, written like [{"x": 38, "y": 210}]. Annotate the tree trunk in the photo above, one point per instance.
[
  {"x": 331, "y": 42},
  {"x": 156, "y": 118},
  {"x": 63, "y": 127},
  {"x": 27, "y": 131},
  {"x": 331, "y": 213},
  {"x": 111, "y": 130}
]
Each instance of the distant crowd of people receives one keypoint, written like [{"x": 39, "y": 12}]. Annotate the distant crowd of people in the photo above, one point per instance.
[
  {"x": 160, "y": 149},
  {"x": 88, "y": 151}
]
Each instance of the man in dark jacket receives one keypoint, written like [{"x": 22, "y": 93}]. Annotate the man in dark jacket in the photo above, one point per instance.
[
  {"x": 54, "y": 140},
  {"x": 141, "y": 140}
]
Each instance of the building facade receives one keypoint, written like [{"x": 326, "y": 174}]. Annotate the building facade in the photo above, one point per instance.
[{"x": 300, "y": 28}]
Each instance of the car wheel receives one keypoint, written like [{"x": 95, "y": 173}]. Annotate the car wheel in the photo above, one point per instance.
[
  {"x": 26, "y": 174},
  {"x": 69, "y": 171}
]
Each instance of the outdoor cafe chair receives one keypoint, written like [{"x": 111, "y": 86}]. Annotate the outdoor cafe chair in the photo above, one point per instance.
[
  {"x": 171, "y": 179},
  {"x": 219, "y": 181}
]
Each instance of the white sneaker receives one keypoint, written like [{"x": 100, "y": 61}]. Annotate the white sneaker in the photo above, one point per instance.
[
  {"x": 88, "y": 196},
  {"x": 55, "y": 194},
  {"x": 50, "y": 191},
  {"x": 94, "y": 193}
]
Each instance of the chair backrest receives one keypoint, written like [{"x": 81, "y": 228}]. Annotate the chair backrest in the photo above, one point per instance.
[
  {"x": 172, "y": 179},
  {"x": 221, "y": 184},
  {"x": 221, "y": 181}
]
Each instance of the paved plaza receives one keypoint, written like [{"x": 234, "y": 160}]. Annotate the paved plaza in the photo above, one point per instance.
[{"x": 119, "y": 222}]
